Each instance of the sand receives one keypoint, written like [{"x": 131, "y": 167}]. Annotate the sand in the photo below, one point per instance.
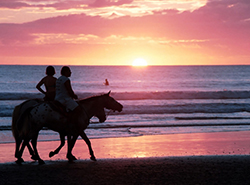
[
  {"x": 202, "y": 158},
  {"x": 167, "y": 170}
]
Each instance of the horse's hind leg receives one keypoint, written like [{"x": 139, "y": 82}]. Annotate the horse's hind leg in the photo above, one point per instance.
[
  {"x": 17, "y": 152},
  {"x": 34, "y": 144},
  {"x": 62, "y": 138},
  {"x": 86, "y": 139},
  {"x": 20, "y": 152},
  {"x": 31, "y": 151}
]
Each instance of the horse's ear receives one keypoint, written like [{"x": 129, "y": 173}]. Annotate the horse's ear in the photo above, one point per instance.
[{"x": 109, "y": 92}]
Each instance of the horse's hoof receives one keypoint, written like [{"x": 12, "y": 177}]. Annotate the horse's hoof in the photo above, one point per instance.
[
  {"x": 71, "y": 161},
  {"x": 51, "y": 154},
  {"x": 41, "y": 162},
  {"x": 19, "y": 161},
  {"x": 33, "y": 157},
  {"x": 93, "y": 158},
  {"x": 73, "y": 158}
]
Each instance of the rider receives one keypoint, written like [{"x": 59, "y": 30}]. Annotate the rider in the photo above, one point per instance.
[
  {"x": 64, "y": 93},
  {"x": 49, "y": 82}
]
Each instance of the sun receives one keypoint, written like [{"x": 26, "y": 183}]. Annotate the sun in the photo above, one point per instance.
[{"x": 139, "y": 62}]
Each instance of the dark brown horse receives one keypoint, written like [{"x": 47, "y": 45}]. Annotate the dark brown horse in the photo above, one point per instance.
[{"x": 42, "y": 115}]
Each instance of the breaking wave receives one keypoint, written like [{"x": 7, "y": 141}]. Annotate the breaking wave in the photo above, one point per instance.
[{"x": 163, "y": 95}]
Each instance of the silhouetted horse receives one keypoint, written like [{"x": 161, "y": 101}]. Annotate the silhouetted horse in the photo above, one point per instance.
[
  {"x": 42, "y": 115},
  {"x": 18, "y": 112}
]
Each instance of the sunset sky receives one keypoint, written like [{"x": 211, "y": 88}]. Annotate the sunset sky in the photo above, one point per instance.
[{"x": 116, "y": 32}]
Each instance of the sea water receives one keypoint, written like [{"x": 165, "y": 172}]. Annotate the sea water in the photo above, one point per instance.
[{"x": 156, "y": 99}]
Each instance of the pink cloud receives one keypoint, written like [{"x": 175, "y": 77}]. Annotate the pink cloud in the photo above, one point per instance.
[
  {"x": 59, "y": 5},
  {"x": 104, "y": 3},
  {"x": 13, "y": 4},
  {"x": 225, "y": 26},
  {"x": 11, "y": 34}
]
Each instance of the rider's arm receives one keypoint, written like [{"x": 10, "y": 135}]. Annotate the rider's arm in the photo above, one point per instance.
[
  {"x": 38, "y": 86},
  {"x": 69, "y": 89}
]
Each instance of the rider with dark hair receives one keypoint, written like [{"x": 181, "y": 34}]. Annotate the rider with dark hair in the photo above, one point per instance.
[{"x": 50, "y": 84}]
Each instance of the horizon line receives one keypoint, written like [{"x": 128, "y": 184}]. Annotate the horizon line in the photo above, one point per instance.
[{"x": 124, "y": 65}]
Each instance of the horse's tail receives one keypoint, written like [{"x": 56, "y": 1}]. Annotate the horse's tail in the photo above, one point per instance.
[
  {"x": 15, "y": 116},
  {"x": 20, "y": 117}
]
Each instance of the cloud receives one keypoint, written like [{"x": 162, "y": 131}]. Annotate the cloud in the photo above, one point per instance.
[
  {"x": 105, "y": 3},
  {"x": 222, "y": 26},
  {"x": 61, "y": 5},
  {"x": 13, "y": 4},
  {"x": 14, "y": 34}
]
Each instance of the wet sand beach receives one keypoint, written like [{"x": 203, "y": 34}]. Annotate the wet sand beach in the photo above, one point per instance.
[{"x": 201, "y": 158}]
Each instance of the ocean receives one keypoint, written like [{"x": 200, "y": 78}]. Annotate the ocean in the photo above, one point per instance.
[{"x": 156, "y": 99}]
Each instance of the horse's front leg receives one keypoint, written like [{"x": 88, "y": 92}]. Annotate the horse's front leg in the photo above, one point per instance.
[
  {"x": 71, "y": 143},
  {"x": 87, "y": 141},
  {"x": 34, "y": 144},
  {"x": 62, "y": 138}
]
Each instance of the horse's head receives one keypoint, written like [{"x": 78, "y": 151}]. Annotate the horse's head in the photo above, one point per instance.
[
  {"x": 94, "y": 106},
  {"x": 108, "y": 103},
  {"x": 111, "y": 103}
]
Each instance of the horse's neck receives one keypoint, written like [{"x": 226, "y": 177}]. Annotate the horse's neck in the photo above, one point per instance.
[{"x": 89, "y": 107}]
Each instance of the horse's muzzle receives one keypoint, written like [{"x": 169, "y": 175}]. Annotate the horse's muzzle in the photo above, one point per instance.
[{"x": 121, "y": 107}]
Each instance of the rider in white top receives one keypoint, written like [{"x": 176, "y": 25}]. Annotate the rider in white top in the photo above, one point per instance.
[{"x": 64, "y": 92}]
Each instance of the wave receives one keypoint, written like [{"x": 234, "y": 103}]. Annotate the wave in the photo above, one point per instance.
[
  {"x": 4, "y": 128},
  {"x": 211, "y": 118},
  {"x": 188, "y": 108},
  {"x": 166, "y": 95},
  {"x": 170, "y": 109},
  {"x": 167, "y": 102},
  {"x": 162, "y": 95}
]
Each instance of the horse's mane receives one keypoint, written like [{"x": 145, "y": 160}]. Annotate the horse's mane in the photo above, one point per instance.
[{"x": 91, "y": 98}]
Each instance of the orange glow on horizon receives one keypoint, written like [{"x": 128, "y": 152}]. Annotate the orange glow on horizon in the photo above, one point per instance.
[{"x": 116, "y": 32}]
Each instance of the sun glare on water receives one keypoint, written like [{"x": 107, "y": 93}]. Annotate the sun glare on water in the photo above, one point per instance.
[{"x": 139, "y": 62}]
